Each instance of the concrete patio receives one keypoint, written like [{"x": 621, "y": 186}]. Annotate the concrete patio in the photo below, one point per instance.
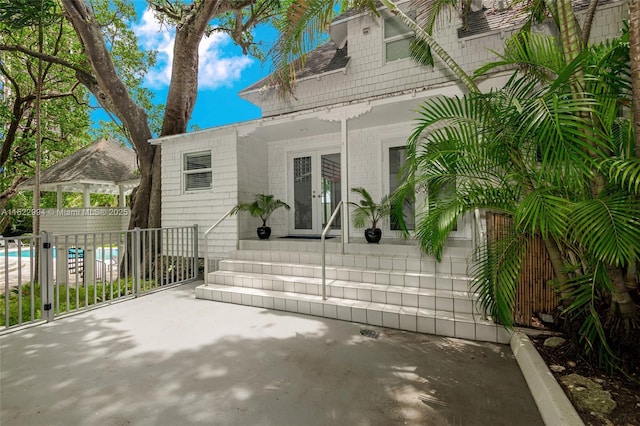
[{"x": 169, "y": 359}]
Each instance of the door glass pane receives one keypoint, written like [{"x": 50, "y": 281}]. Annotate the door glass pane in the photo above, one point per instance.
[
  {"x": 303, "y": 212},
  {"x": 331, "y": 188},
  {"x": 397, "y": 159}
]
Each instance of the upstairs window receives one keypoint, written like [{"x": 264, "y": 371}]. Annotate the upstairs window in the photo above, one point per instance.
[
  {"x": 397, "y": 38},
  {"x": 197, "y": 171}
]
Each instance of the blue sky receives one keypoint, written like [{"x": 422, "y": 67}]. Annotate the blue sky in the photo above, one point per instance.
[{"x": 224, "y": 71}]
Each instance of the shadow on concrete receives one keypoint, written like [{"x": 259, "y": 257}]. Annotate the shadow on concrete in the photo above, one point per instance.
[{"x": 168, "y": 359}]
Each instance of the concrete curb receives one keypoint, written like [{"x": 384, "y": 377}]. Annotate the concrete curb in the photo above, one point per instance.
[{"x": 553, "y": 404}]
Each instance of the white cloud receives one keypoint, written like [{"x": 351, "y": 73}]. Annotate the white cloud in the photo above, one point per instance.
[{"x": 215, "y": 70}]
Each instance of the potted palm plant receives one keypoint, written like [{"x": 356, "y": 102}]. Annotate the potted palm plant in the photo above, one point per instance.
[
  {"x": 370, "y": 212},
  {"x": 262, "y": 207}
]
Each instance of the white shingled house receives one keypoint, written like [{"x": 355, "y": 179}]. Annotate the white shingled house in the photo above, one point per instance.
[{"x": 346, "y": 127}]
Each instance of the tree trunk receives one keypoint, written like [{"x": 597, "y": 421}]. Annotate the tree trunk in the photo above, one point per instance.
[
  {"x": 622, "y": 305},
  {"x": 435, "y": 47},
  {"x": 6, "y": 195},
  {"x": 114, "y": 96}
]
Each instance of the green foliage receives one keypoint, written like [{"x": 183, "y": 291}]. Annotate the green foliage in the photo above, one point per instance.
[
  {"x": 430, "y": 16},
  {"x": 263, "y": 206},
  {"x": 367, "y": 212},
  {"x": 115, "y": 18},
  {"x": 19, "y": 14},
  {"x": 496, "y": 276},
  {"x": 27, "y": 310},
  {"x": 558, "y": 162},
  {"x": 64, "y": 107},
  {"x": 302, "y": 27},
  {"x": 67, "y": 298}
]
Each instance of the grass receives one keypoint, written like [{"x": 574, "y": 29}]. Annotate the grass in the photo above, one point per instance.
[{"x": 67, "y": 298}]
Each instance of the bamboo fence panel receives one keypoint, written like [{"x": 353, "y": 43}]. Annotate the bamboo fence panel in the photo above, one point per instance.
[{"x": 534, "y": 294}]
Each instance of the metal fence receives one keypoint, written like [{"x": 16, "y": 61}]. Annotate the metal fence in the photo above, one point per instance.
[{"x": 47, "y": 276}]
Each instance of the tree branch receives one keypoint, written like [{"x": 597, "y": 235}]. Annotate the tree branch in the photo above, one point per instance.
[
  {"x": 48, "y": 58},
  {"x": 11, "y": 191}
]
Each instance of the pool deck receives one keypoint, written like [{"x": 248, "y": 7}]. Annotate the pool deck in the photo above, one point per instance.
[
  {"x": 15, "y": 271},
  {"x": 169, "y": 359}
]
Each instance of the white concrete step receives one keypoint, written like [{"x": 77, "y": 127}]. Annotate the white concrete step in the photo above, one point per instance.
[
  {"x": 430, "y": 297},
  {"x": 398, "y": 263},
  {"x": 431, "y": 321},
  {"x": 426, "y": 279},
  {"x": 390, "y": 285},
  {"x": 387, "y": 247}
]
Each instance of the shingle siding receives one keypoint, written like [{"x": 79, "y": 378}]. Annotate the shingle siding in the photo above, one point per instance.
[
  {"x": 252, "y": 179},
  {"x": 246, "y": 165},
  {"x": 181, "y": 208},
  {"x": 368, "y": 75}
]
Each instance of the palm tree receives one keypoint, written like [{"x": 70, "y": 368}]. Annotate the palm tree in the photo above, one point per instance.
[
  {"x": 634, "y": 53},
  {"x": 367, "y": 211},
  {"x": 527, "y": 151},
  {"x": 263, "y": 206},
  {"x": 304, "y": 25},
  {"x": 529, "y": 162}
]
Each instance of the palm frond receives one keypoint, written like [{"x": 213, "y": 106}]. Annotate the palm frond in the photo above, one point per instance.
[
  {"x": 367, "y": 210},
  {"x": 582, "y": 292},
  {"x": 536, "y": 55},
  {"x": 302, "y": 28},
  {"x": 262, "y": 206},
  {"x": 609, "y": 227},
  {"x": 496, "y": 276},
  {"x": 625, "y": 173},
  {"x": 542, "y": 211},
  {"x": 428, "y": 15}
]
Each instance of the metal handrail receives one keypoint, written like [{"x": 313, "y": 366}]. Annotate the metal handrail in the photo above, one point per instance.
[
  {"x": 206, "y": 242},
  {"x": 322, "y": 239},
  {"x": 478, "y": 234}
]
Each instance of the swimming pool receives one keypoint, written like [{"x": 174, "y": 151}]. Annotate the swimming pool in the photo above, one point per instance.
[{"x": 26, "y": 252}]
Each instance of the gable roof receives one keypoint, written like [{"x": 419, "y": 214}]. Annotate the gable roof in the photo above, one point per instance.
[
  {"x": 494, "y": 18},
  {"x": 323, "y": 59},
  {"x": 103, "y": 162}
]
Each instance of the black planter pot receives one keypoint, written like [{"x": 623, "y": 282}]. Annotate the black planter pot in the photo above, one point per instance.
[
  {"x": 264, "y": 232},
  {"x": 373, "y": 235}
]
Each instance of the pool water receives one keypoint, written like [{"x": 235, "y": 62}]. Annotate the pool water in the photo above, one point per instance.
[{"x": 30, "y": 252}]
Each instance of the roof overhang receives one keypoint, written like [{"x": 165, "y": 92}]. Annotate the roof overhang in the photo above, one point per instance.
[
  {"x": 79, "y": 186},
  {"x": 367, "y": 113},
  {"x": 372, "y": 112}
]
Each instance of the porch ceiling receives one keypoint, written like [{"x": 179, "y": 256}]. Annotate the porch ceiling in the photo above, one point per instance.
[{"x": 372, "y": 113}]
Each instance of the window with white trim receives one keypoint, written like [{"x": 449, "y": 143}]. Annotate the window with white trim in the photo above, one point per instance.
[
  {"x": 397, "y": 160},
  {"x": 397, "y": 38},
  {"x": 197, "y": 171}
]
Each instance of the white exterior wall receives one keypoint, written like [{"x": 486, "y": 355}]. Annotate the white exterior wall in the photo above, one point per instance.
[
  {"x": 278, "y": 178},
  {"x": 368, "y": 75},
  {"x": 252, "y": 179},
  {"x": 203, "y": 207},
  {"x": 239, "y": 169},
  {"x": 608, "y": 21}
]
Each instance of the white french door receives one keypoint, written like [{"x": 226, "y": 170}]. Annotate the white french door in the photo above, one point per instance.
[{"x": 315, "y": 188}]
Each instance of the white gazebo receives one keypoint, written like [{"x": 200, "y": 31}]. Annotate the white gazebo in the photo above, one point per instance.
[{"x": 104, "y": 167}]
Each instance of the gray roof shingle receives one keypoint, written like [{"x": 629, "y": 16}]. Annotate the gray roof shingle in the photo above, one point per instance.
[
  {"x": 324, "y": 58},
  {"x": 103, "y": 161},
  {"x": 492, "y": 18}
]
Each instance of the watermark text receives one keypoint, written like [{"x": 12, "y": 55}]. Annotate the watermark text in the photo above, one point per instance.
[{"x": 98, "y": 211}]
